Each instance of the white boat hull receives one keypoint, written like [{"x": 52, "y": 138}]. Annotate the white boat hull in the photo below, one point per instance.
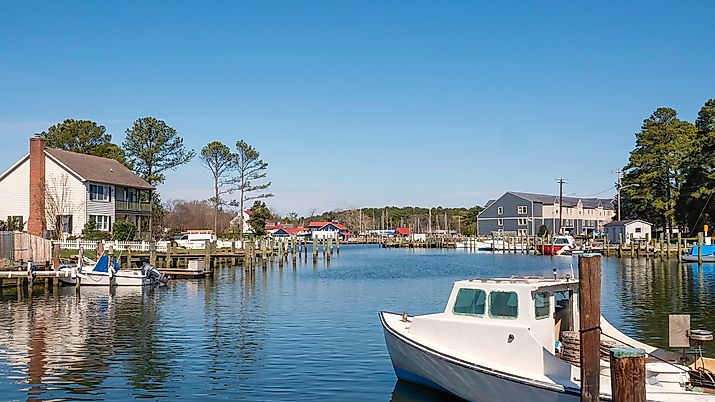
[
  {"x": 694, "y": 258},
  {"x": 419, "y": 364},
  {"x": 122, "y": 278}
]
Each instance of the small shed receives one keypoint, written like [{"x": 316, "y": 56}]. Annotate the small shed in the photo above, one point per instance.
[
  {"x": 403, "y": 232},
  {"x": 624, "y": 229}
]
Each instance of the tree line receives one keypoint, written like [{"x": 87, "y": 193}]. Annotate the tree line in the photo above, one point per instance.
[
  {"x": 670, "y": 176},
  {"x": 152, "y": 148}
]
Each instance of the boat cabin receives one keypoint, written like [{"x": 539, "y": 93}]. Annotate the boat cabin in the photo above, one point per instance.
[{"x": 545, "y": 306}]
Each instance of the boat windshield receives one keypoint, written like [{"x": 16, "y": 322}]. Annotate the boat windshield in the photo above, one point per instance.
[{"x": 561, "y": 241}]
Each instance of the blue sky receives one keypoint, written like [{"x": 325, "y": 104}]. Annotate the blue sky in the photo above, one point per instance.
[{"x": 366, "y": 103}]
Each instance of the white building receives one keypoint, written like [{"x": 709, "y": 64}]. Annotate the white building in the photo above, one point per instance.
[
  {"x": 245, "y": 217},
  {"x": 55, "y": 191},
  {"x": 622, "y": 230}
]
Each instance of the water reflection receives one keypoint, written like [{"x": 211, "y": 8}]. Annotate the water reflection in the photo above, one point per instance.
[
  {"x": 307, "y": 331},
  {"x": 650, "y": 290}
]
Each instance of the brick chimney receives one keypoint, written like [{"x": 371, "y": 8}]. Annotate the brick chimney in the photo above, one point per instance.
[{"x": 36, "y": 223}]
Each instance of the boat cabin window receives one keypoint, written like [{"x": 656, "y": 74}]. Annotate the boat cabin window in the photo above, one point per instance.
[
  {"x": 470, "y": 302},
  {"x": 503, "y": 304},
  {"x": 561, "y": 241},
  {"x": 542, "y": 305}
]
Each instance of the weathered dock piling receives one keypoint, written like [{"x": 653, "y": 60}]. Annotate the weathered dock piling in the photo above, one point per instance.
[
  {"x": 589, "y": 272},
  {"x": 627, "y": 374}
]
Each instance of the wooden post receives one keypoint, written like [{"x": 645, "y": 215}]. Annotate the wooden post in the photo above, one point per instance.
[
  {"x": 55, "y": 262},
  {"x": 679, "y": 250},
  {"x": 606, "y": 242},
  {"x": 129, "y": 256},
  {"x": 207, "y": 255},
  {"x": 700, "y": 248},
  {"x": 152, "y": 252},
  {"x": 633, "y": 254},
  {"x": 667, "y": 245},
  {"x": 100, "y": 250},
  {"x": 589, "y": 273},
  {"x": 627, "y": 375},
  {"x": 620, "y": 245}
]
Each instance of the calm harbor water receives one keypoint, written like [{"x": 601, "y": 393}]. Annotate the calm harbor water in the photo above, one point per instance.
[{"x": 308, "y": 332}]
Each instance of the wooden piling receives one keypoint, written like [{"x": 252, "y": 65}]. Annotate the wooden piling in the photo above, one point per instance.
[
  {"x": 620, "y": 245},
  {"x": 679, "y": 250},
  {"x": 606, "y": 242},
  {"x": 700, "y": 248},
  {"x": 627, "y": 375},
  {"x": 589, "y": 272},
  {"x": 152, "y": 252},
  {"x": 55, "y": 262},
  {"x": 633, "y": 253}
]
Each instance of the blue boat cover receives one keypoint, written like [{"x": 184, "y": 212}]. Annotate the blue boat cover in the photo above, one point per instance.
[
  {"x": 103, "y": 265},
  {"x": 707, "y": 250}
]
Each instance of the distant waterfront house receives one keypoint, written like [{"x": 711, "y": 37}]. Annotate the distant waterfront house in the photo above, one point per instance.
[
  {"x": 291, "y": 232},
  {"x": 522, "y": 214},
  {"x": 401, "y": 232},
  {"x": 52, "y": 191},
  {"x": 324, "y": 230},
  {"x": 246, "y": 215},
  {"x": 622, "y": 231}
]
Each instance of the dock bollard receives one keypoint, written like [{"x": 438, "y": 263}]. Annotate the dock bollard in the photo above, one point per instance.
[{"x": 627, "y": 374}]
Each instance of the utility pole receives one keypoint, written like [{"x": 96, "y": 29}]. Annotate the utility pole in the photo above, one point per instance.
[
  {"x": 561, "y": 202},
  {"x": 619, "y": 176}
]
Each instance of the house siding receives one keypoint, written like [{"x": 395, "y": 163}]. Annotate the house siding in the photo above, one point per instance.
[
  {"x": 101, "y": 207},
  {"x": 15, "y": 190},
  {"x": 488, "y": 218},
  {"x": 57, "y": 177}
]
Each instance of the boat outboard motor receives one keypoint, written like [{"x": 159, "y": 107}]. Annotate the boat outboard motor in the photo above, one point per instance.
[
  {"x": 700, "y": 375},
  {"x": 151, "y": 272}
]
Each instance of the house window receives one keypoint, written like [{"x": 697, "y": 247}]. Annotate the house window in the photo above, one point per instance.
[
  {"x": 63, "y": 224},
  {"x": 638, "y": 230},
  {"x": 500, "y": 210},
  {"x": 103, "y": 222},
  {"x": 521, "y": 221},
  {"x": 470, "y": 302},
  {"x": 98, "y": 193},
  {"x": 521, "y": 232},
  {"x": 500, "y": 222},
  {"x": 503, "y": 304},
  {"x": 521, "y": 209}
]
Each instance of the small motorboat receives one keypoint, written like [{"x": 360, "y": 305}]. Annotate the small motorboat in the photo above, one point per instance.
[
  {"x": 557, "y": 246},
  {"x": 513, "y": 339},
  {"x": 708, "y": 254},
  {"x": 474, "y": 245},
  {"x": 106, "y": 273}
]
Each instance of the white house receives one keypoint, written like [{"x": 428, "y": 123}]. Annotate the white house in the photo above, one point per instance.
[
  {"x": 245, "y": 216},
  {"x": 622, "y": 230},
  {"x": 55, "y": 191}
]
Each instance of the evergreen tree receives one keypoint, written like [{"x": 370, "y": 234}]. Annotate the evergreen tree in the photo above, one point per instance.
[
  {"x": 656, "y": 167},
  {"x": 84, "y": 137},
  {"x": 697, "y": 204}
]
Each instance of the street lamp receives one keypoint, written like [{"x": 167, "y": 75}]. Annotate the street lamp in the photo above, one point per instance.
[{"x": 619, "y": 187}]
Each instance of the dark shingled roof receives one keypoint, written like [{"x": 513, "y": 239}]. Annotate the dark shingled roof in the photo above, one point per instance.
[
  {"x": 98, "y": 169},
  {"x": 548, "y": 199}
]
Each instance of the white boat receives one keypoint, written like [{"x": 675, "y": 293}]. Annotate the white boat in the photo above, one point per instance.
[
  {"x": 706, "y": 255},
  {"x": 102, "y": 273},
  {"x": 474, "y": 245},
  {"x": 501, "y": 340},
  {"x": 499, "y": 245}
]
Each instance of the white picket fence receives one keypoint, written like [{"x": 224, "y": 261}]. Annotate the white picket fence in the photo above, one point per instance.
[{"x": 138, "y": 245}]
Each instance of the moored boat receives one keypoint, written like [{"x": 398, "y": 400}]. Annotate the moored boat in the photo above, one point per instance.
[
  {"x": 106, "y": 273},
  {"x": 557, "y": 246},
  {"x": 503, "y": 340},
  {"x": 708, "y": 253}
]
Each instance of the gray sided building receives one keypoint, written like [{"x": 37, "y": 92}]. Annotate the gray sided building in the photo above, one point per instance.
[{"x": 522, "y": 214}]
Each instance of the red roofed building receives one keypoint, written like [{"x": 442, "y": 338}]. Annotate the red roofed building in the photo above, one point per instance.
[
  {"x": 403, "y": 232},
  {"x": 328, "y": 229}
]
